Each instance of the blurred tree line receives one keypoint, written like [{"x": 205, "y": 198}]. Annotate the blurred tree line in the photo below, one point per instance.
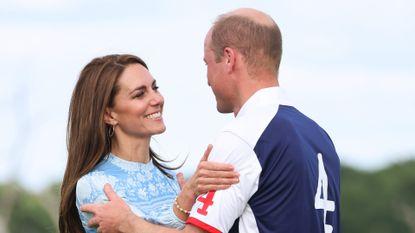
[
  {"x": 25, "y": 212},
  {"x": 372, "y": 202}
]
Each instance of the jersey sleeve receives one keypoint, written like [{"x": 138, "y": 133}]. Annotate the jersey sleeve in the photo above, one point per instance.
[{"x": 217, "y": 211}]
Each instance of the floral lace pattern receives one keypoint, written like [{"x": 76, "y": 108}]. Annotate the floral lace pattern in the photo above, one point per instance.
[{"x": 149, "y": 193}]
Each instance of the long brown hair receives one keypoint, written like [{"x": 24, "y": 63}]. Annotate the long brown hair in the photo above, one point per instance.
[{"x": 88, "y": 141}]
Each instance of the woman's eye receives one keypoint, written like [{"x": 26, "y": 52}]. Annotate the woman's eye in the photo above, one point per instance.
[{"x": 138, "y": 95}]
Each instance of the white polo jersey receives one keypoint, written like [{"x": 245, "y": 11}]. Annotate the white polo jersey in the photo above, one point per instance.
[{"x": 289, "y": 173}]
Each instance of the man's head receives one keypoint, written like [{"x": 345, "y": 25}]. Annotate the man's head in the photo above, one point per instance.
[
  {"x": 241, "y": 43},
  {"x": 254, "y": 34}
]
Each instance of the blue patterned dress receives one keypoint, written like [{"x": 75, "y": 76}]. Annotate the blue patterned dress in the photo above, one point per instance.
[{"x": 149, "y": 193}]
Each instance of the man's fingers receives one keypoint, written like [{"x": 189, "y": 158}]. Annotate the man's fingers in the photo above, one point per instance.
[
  {"x": 93, "y": 222},
  {"x": 90, "y": 208},
  {"x": 180, "y": 179},
  {"x": 207, "y": 152},
  {"x": 112, "y": 196}
]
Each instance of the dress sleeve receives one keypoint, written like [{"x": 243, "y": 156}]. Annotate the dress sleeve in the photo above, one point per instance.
[
  {"x": 173, "y": 221},
  {"x": 84, "y": 195},
  {"x": 89, "y": 189}
]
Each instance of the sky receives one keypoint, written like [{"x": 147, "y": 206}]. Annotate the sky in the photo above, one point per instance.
[{"x": 349, "y": 65}]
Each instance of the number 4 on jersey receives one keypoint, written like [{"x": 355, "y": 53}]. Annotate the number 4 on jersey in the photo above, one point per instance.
[
  {"x": 321, "y": 201},
  {"x": 207, "y": 201}
]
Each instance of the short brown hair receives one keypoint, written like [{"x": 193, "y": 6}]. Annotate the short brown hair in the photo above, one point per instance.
[{"x": 260, "y": 44}]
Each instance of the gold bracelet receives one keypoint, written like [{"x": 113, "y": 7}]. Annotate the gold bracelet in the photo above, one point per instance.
[{"x": 180, "y": 208}]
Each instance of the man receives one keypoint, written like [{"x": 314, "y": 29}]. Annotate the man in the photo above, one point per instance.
[{"x": 289, "y": 169}]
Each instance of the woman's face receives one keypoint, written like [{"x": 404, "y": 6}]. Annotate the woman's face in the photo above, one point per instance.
[{"x": 138, "y": 106}]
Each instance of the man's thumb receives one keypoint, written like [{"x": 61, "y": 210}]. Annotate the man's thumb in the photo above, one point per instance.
[{"x": 110, "y": 192}]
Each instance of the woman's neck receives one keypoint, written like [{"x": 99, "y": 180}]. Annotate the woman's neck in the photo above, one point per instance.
[{"x": 131, "y": 150}]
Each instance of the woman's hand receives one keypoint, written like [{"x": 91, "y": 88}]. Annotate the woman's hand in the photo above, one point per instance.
[{"x": 209, "y": 176}]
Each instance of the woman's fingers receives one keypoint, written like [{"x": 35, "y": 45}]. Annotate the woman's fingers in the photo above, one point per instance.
[
  {"x": 215, "y": 166},
  {"x": 202, "y": 189},
  {"x": 213, "y": 175},
  {"x": 206, "y": 184},
  {"x": 207, "y": 152},
  {"x": 217, "y": 181},
  {"x": 217, "y": 174},
  {"x": 180, "y": 180}
]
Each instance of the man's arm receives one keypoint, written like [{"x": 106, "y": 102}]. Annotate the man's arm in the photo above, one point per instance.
[{"x": 117, "y": 217}]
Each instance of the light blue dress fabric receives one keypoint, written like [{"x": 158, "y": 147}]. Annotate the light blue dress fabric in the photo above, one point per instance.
[{"x": 149, "y": 193}]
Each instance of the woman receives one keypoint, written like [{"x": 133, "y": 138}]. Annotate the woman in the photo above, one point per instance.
[{"x": 115, "y": 110}]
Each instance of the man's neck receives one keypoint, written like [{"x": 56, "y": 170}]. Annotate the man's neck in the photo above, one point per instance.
[{"x": 250, "y": 87}]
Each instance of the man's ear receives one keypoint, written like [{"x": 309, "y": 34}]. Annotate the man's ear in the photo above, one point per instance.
[
  {"x": 109, "y": 117},
  {"x": 229, "y": 54}
]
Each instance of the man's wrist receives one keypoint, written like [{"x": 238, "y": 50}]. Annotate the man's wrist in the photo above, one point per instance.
[{"x": 129, "y": 224}]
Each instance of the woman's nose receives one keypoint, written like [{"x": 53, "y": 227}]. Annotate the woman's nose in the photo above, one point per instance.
[{"x": 156, "y": 99}]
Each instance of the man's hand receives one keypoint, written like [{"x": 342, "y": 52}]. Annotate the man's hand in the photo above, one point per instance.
[{"x": 110, "y": 217}]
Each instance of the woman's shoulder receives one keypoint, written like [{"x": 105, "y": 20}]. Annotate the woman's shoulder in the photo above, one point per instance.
[{"x": 89, "y": 187}]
